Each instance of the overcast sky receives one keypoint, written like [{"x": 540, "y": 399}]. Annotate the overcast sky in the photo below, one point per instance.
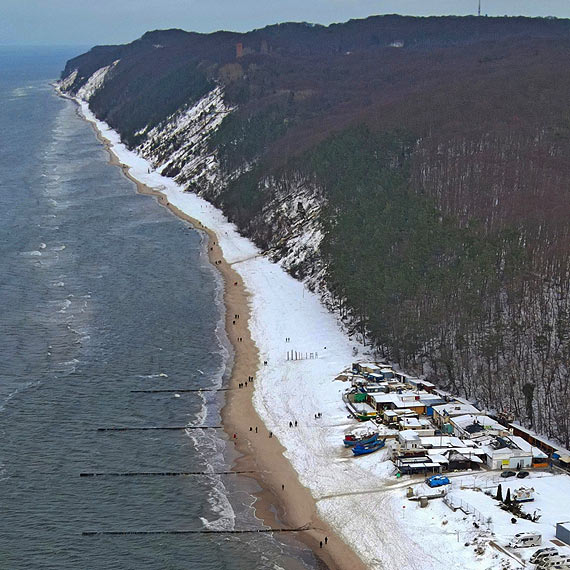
[{"x": 90, "y": 22}]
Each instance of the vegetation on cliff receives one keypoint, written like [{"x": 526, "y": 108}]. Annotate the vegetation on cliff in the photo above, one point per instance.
[{"x": 440, "y": 150}]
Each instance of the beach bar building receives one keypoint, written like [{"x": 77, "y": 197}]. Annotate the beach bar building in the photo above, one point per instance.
[{"x": 501, "y": 453}]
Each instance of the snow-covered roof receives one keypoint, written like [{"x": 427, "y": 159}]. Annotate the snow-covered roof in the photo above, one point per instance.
[
  {"x": 505, "y": 451},
  {"x": 369, "y": 366},
  {"x": 415, "y": 422},
  {"x": 411, "y": 422},
  {"x": 468, "y": 419},
  {"x": 454, "y": 455},
  {"x": 402, "y": 400},
  {"x": 420, "y": 465},
  {"x": 526, "y": 446},
  {"x": 409, "y": 435},
  {"x": 438, "y": 457},
  {"x": 415, "y": 380},
  {"x": 442, "y": 441},
  {"x": 363, "y": 407},
  {"x": 432, "y": 400},
  {"x": 560, "y": 450},
  {"x": 455, "y": 409}
]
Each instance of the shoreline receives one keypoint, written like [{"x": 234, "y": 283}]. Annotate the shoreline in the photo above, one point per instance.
[{"x": 282, "y": 498}]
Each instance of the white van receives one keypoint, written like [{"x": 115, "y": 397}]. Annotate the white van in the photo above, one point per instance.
[
  {"x": 525, "y": 539},
  {"x": 554, "y": 563},
  {"x": 543, "y": 553}
]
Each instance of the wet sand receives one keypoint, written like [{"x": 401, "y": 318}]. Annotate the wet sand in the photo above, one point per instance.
[{"x": 283, "y": 501}]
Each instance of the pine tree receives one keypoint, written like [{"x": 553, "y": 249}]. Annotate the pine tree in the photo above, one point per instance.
[
  {"x": 499, "y": 495},
  {"x": 508, "y": 497}
]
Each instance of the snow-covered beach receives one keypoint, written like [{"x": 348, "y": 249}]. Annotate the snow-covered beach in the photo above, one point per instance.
[{"x": 359, "y": 498}]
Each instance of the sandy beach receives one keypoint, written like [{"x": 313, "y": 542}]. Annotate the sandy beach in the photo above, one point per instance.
[{"x": 283, "y": 500}]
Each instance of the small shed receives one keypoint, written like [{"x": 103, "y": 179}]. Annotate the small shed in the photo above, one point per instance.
[{"x": 409, "y": 439}]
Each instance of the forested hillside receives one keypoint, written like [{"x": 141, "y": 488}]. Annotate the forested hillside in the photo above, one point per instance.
[{"x": 416, "y": 171}]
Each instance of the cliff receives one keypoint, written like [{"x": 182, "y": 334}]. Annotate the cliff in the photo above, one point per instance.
[{"x": 415, "y": 171}]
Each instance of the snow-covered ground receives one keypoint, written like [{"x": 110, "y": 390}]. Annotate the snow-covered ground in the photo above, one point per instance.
[{"x": 359, "y": 497}]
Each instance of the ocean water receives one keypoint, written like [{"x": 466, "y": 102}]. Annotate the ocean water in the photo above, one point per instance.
[{"x": 103, "y": 293}]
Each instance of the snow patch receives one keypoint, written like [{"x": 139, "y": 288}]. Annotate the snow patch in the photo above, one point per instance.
[
  {"x": 95, "y": 82},
  {"x": 179, "y": 145},
  {"x": 68, "y": 81}
]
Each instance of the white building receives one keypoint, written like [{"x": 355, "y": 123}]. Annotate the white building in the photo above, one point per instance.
[
  {"x": 501, "y": 453},
  {"x": 409, "y": 440}
]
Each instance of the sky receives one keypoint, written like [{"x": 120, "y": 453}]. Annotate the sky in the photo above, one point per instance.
[{"x": 92, "y": 22}]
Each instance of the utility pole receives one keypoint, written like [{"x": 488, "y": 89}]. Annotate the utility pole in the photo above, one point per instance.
[{"x": 479, "y": 10}]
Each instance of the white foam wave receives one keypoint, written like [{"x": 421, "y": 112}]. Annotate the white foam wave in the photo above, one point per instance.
[
  {"x": 21, "y": 91},
  {"x": 220, "y": 505},
  {"x": 18, "y": 390},
  {"x": 31, "y": 253}
]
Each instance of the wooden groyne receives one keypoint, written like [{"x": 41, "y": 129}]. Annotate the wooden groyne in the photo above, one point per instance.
[
  {"x": 196, "y": 531},
  {"x": 160, "y": 473},
  {"x": 146, "y": 428},
  {"x": 182, "y": 390}
]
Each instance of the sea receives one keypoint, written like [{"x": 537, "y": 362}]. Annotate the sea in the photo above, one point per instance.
[{"x": 105, "y": 296}]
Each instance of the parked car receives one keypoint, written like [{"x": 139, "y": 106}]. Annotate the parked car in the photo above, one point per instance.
[
  {"x": 542, "y": 553},
  {"x": 508, "y": 474},
  {"x": 438, "y": 481},
  {"x": 522, "y": 474},
  {"x": 525, "y": 539}
]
